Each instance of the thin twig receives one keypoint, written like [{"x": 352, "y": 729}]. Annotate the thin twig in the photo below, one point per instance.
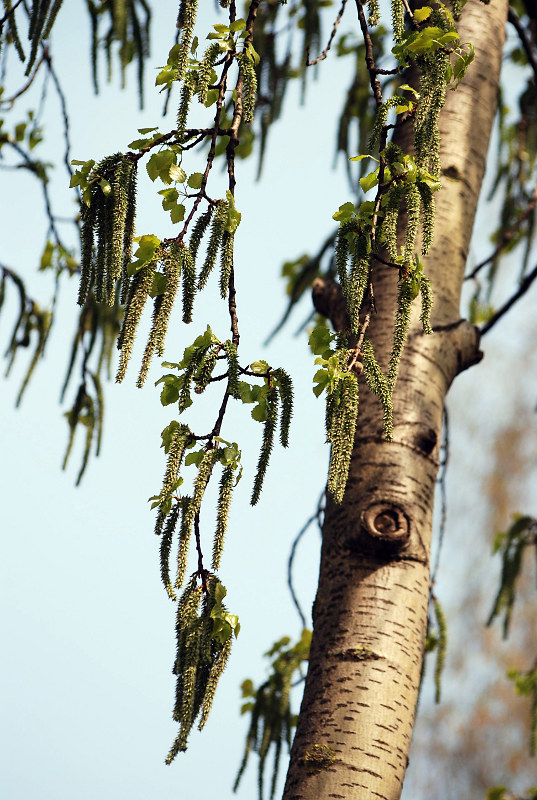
[
  {"x": 331, "y": 39},
  {"x": 506, "y": 238},
  {"x": 526, "y": 44},
  {"x": 522, "y": 289},
  {"x": 8, "y": 14},
  {"x": 316, "y": 516},
  {"x": 10, "y": 100}
]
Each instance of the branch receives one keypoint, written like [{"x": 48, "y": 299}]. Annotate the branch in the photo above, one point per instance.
[
  {"x": 522, "y": 289},
  {"x": 331, "y": 39},
  {"x": 508, "y": 235},
  {"x": 526, "y": 44},
  {"x": 8, "y": 14}
]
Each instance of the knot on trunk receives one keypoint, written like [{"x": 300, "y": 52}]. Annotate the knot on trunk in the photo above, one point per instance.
[{"x": 386, "y": 522}]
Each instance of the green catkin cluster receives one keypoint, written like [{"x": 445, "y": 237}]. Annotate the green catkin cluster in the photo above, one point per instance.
[
  {"x": 205, "y": 70},
  {"x": 267, "y": 443},
  {"x": 357, "y": 282},
  {"x": 402, "y": 323},
  {"x": 226, "y": 263},
  {"x": 227, "y": 482},
  {"x": 271, "y": 721},
  {"x": 398, "y": 19},
  {"x": 204, "y": 372},
  {"x": 190, "y": 507},
  {"x": 427, "y": 216},
  {"x": 233, "y": 369},
  {"x": 165, "y": 548},
  {"x": 413, "y": 207},
  {"x": 187, "y": 90},
  {"x": 188, "y": 273},
  {"x": 186, "y": 21},
  {"x": 200, "y": 660},
  {"x": 88, "y": 412},
  {"x": 12, "y": 29},
  {"x": 342, "y": 411},
  {"x": 196, "y": 367},
  {"x": 285, "y": 390},
  {"x": 162, "y": 310},
  {"x": 249, "y": 88},
  {"x": 198, "y": 231},
  {"x": 140, "y": 287},
  {"x": 109, "y": 218},
  {"x": 426, "y": 304},
  {"x": 180, "y": 438},
  {"x": 214, "y": 243},
  {"x": 31, "y": 319},
  {"x": 391, "y": 216},
  {"x": 373, "y": 15},
  {"x": 43, "y": 16},
  {"x": 378, "y": 384},
  {"x": 129, "y": 24},
  {"x": 185, "y": 531}
]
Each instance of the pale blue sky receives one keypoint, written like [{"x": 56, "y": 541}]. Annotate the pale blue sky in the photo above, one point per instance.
[{"x": 86, "y": 684}]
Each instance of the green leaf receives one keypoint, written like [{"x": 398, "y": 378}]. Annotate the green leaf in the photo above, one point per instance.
[
  {"x": 259, "y": 412},
  {"x": 369, "y": 181},
  {"x": 177, "y": 213},
  {"x": 245, "y": 391},
  {"x": 238, "y": 25},
  {"x": 169, "y": 394},
  {"x": 320, "y": 340},
  {"x": 177, "y": 174},
  {"x": 194, "y": 458},
  {"x": 260, "y": 367},
  {"x": 344, "y": 213},
  {"x": 159, "y": 165},
  {"x": 159, "y": 284},
  {"x": 143, "y": 131},
  {"x": 359, "y": 158},
  {"x": 322, "y": 379},
  {"x": 422, "y": 13},
  {"x": 195, "y": 180}
]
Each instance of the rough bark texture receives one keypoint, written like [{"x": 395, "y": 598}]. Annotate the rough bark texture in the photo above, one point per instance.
[{"x": 370, "y": 614}]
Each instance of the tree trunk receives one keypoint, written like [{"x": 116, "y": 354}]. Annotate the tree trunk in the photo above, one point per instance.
[{"x": 370, "y": 613}]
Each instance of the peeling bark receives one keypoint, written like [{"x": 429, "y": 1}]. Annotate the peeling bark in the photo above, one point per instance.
[{"x": 370, "y": 613}]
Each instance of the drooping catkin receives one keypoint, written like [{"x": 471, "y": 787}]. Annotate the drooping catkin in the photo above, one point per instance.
[
  {"x": 185, "y": 531},
  {"x": 188, "y": 273},
  {"x": 249, "y": 88},
  {"x": 213, "y": 245},
  {"x": 233, "y": 369},
  {"x": 226, "y": 263},
  {"x": 186, "y": 21},
  {"x": 426, "y": 304},
  {"x": 165, "y": 548},
  {"x": 120, "y": 190},
  {"x": 267, "y": 443},
  {"x": 343, "y": 424},
  {"x": 139, "y": 290},
  {"x": 413, "y": 206},
  {"x": 285, "y": 389},
  {"x": 163, "y": 305},
  {"x": 402, "y": 323},
  {"x": 378, "y": 384},
  {"x": 107, "y": 228},
  {"x": 198, "y": 231},
  {"x": 206, "y": 68},
  {"x": 227, "y": 481}
]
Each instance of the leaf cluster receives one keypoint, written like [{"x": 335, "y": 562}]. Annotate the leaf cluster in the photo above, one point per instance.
[{"x": 271, "y": 719}]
